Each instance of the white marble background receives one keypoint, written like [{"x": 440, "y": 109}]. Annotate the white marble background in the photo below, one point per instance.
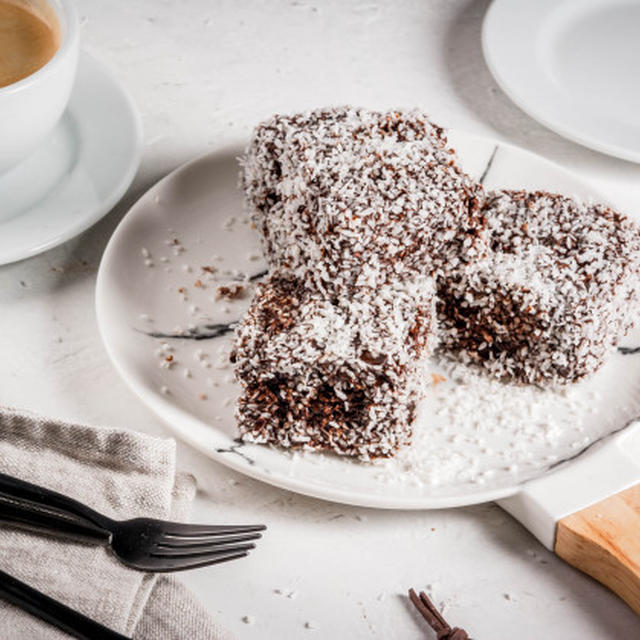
[{"x": 203, "y": 73}]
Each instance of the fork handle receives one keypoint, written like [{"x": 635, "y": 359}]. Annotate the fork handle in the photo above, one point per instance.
[
  {"x": 55, "y": 613},
  {"x": 34, "y": 516},
  {"x": 46, "y": 497}
]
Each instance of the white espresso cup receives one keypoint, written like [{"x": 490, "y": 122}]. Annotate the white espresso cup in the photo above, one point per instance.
[{"x": 31, "y": 107}]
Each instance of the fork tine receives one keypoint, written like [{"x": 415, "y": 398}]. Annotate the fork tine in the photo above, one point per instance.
[
  {"x": 194, "y": 542},
  {"x": 185, "y": 530},
  {"x": 182, "y": 563},
  {"x": 186, "y": 552}
]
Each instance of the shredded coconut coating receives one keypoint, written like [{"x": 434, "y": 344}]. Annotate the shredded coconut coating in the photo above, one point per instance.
[
  {"x": 556, "y": 291},
  {"x": 337, "y": 374},
  {"x": 364, "y": 197}
]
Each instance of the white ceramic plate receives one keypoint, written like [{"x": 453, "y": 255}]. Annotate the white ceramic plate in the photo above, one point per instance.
[
  {"x": 78, "y": 174},
  {"x": 572, "y": 65},
  {"x": 475, "y": 439}
]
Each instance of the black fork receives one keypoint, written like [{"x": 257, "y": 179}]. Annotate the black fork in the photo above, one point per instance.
[{"x": 146, "y": 544}]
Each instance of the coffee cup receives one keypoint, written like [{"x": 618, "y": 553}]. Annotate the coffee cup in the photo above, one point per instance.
[{"x": 37, "y": 71}]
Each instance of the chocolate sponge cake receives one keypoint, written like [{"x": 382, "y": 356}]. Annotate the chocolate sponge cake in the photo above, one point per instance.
[
  {"x": 364, "y": 197},
  {"x": 555, "y": 292},
  {"x": 336, "y": 374}
]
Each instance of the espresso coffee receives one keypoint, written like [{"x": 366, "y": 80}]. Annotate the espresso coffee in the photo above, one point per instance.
[{"x": 29, "y": 38}]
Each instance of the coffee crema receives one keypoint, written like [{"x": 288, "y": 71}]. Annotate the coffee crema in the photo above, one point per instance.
[{"x": 29, "y": 38}]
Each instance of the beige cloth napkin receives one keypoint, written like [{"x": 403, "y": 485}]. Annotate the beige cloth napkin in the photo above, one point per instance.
[{"x": 121, "y": 474}]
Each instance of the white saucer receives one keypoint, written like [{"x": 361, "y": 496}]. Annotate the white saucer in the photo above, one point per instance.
[
  {"x": 571, "y": 65},
  {"x": 474, "y": 440},
  {"x": 78, "y": 174}
]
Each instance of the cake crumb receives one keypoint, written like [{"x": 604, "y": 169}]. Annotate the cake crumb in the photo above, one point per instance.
[
  {"x": 436, "y": 379},
  {"x": 232, "y": 292}
]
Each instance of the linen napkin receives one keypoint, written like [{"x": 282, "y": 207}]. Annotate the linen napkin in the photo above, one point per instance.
[{"x": 122, "y": 474}]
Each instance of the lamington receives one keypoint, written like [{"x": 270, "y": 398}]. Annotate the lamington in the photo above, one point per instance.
[
  {"x": 366, "y": 197},
  {"x": 556, "y": 291},
  {"x": 338, "y": 374}
]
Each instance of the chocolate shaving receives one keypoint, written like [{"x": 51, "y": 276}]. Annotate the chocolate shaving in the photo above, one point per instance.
[
  {"x": 626, "y": 351},
  {"x": 257, "y": 276},
  {"x": 435, "y": 620},
  {"x": 202, "y": 332},
  {"x": 488, "y": 167}
]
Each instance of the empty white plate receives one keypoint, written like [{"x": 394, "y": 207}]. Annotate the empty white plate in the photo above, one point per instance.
[
  {"x": 572, "y": 65},
  {"x": 78, "y": 174},
  {"x": 167, "y": 331}
]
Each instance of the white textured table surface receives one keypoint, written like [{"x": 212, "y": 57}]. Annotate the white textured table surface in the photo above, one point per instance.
[{"x": 203, "y": 73}]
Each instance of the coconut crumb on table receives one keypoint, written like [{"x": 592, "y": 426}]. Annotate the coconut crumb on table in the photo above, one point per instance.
[{"x": 229, "y": 223}]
